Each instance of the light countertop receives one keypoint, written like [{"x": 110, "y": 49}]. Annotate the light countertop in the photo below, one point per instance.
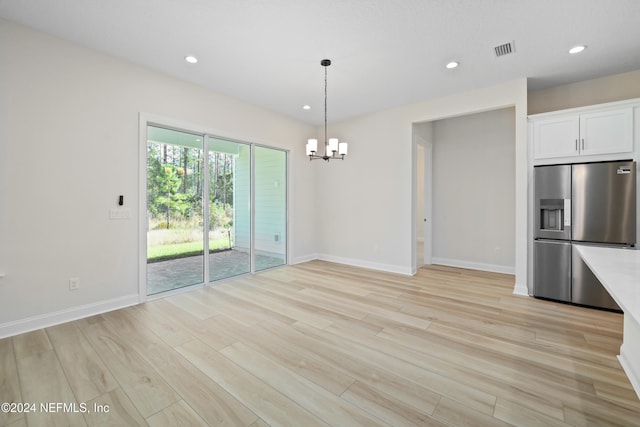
[{"x": 619, "y": 272}]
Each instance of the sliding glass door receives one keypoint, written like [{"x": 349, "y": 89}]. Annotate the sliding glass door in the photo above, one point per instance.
[
  {"x": 270, "y": 207},
  {"x": 207, "y": 195},
  {"x": 229, "y": 209},
  {"x": 175, "y": 233}
]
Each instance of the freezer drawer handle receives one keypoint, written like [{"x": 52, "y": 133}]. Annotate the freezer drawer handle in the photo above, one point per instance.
[{"x": 623, "y": 170}]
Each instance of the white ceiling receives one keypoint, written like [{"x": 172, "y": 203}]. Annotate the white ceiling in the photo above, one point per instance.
[{"x": 385, "y": 53}]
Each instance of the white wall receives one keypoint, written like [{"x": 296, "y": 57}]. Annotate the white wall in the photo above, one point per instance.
[
  {"x": 369, "y": 211},
  {"x": 69, "y": 147},
  {"x": 474, "y": 191},
  {"x": 365, "y": 200},
  {"x": 616, "y": 87}
]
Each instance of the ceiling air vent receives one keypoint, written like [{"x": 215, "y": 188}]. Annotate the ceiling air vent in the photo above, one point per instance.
[{"x": 504, "y": 49}]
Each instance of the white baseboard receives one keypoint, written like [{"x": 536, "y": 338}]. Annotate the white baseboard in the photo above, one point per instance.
[
  {"x": 50, "y": 319},
  {"x": 521, "y": 290},
  {"x": 408, "y": 271},
  {"x": 390, "y": 268},
  {"x": 518, "y": 289},
  {"x": 304, "y": 258},
  {"x": 474, "y": 265}
]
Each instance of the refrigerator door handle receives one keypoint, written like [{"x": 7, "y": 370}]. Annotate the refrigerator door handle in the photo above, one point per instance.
[{"x": 567, "y": 212}]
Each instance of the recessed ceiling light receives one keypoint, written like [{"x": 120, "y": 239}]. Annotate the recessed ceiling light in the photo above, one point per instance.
[
  {"x": 452, "y": 64},
  {"x": 191, "y": 59},
  {"x": 306, "y": 107},
  {"x": 577, "y": 49}
]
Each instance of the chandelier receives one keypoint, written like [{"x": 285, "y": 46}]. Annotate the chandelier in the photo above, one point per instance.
[{"x": 332, "y": 148}]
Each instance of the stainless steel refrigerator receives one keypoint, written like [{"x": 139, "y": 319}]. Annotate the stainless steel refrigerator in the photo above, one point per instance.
[{"x": 586, "y": 203}]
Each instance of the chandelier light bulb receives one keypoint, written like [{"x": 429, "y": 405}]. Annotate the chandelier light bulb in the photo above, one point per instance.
[
  {"x": 312, "y": 144},
  {"x": 333, "y": 145}
]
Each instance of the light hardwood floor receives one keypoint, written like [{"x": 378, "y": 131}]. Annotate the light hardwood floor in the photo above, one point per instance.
[{"x": 327, "y": 344}]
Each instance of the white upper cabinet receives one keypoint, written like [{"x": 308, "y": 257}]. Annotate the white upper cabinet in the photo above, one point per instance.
[
  {"x": 606, "y": 132},
  {"x": 596, "y": 133},
  {"x": 557, "y": 137}
]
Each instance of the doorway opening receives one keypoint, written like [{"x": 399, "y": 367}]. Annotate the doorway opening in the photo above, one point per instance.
[
  {"x": 469, "y": 188},
  {"x": 423, "y": 146}
]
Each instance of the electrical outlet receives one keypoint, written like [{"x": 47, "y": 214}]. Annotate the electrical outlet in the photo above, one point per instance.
[{"x": 74, "y": 283}]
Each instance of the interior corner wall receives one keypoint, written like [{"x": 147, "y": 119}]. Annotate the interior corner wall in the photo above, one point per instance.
[
  {"x": 366, "y": 202},
  {"x": 69, "y": 146},
  {"x": 616, "y": 87},
  {"x": 474, "y": 191}
]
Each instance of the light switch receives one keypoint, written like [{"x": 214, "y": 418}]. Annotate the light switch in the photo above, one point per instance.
[{"x": 119, "y": 213}]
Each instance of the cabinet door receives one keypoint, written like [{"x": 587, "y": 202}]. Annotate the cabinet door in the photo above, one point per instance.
[
  {"x": 606, "y": 132},
  {"x": 557, "y": 137}
]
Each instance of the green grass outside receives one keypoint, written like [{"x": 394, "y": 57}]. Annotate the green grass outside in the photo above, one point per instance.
[{"x": 181, "y": 250}]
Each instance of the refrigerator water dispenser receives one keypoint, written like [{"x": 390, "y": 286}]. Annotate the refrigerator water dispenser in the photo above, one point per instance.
[{"x": 554, "y": 214}]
